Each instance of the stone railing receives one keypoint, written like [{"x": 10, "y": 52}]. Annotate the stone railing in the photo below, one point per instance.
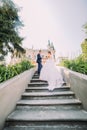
[
  {"x": 77, "y": 83},
  {"x": 10, "y": 93}
]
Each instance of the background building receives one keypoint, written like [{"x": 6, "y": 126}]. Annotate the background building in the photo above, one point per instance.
[{"x": 31, "y": 54}]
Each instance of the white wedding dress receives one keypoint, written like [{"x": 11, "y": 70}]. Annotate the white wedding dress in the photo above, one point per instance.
[{"x": 51, "y": 74}]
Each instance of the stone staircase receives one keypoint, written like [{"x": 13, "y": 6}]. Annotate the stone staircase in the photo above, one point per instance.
[{"x": 41, "y": 109}]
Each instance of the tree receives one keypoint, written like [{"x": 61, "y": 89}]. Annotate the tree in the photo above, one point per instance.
[
  {"x": 9, "y": 25},
  {"x": 84, "y": 49},
  {"x": 85, "y": 27}
]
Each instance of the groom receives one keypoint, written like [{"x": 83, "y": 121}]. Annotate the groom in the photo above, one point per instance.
[{"x": 39, "y": 61}]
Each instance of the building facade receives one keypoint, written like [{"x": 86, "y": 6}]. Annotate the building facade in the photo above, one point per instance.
[{"x": 31, "y": 54}]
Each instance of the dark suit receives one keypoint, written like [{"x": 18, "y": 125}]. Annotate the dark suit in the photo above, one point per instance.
[{"x": 39, "y": 61}]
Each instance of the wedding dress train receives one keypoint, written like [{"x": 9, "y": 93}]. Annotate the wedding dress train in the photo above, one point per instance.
[{"x": 51, "y": 74}]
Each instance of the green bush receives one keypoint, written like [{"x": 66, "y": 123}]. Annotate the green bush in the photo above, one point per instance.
[
  {"x": 11, "y": 71},
  {"x": 78, "y": 65}
]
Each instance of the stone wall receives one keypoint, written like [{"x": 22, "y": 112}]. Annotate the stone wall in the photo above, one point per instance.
[
  {"x": 10, "y": 93},
  {"x": 78, "y": 84}
]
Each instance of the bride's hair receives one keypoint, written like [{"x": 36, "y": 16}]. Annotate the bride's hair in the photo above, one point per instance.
[{"x": 49, "y": 52}]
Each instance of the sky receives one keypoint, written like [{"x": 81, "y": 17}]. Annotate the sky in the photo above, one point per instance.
[{"x": 60, "y": 21}]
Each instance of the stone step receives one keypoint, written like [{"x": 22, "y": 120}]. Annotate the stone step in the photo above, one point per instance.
[
  {"x": 37, "y": 84},
  {"x": 37, "y": 76},
  {"x": 63, "y": 126},
  {"x": 41, "y": 109},
  {"x": 55, "y": 103},
  {"x": 50, "y": 107},
  {"x": 47, "y": 117},
  {"x": 45, "y": 89},
  {"x": 48, "y": 95},
  {"x": 35, "y": 73},
  {"x": 50, "y": 102},
  {"x": 37, "y": 80}
]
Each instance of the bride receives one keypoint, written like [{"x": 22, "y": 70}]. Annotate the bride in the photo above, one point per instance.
[{"x": 51, "y": 74}]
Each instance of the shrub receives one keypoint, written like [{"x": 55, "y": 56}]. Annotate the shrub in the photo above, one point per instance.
[
  {"x": 78, "y": 65},
  {"x": 11, "y": 71}
]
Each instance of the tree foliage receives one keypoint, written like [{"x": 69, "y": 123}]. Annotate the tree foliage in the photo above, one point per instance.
[
  {"x": 11, "y": 71},
  {"x": 85, "y": 27},
  {"x": 84, "y": 49},
  {"x": 78, "y": 64},
  {"x": 9, "y": 25}
]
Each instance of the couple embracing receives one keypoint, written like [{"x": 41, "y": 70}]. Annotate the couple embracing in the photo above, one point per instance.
[{"x": 49, "y": 71}]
